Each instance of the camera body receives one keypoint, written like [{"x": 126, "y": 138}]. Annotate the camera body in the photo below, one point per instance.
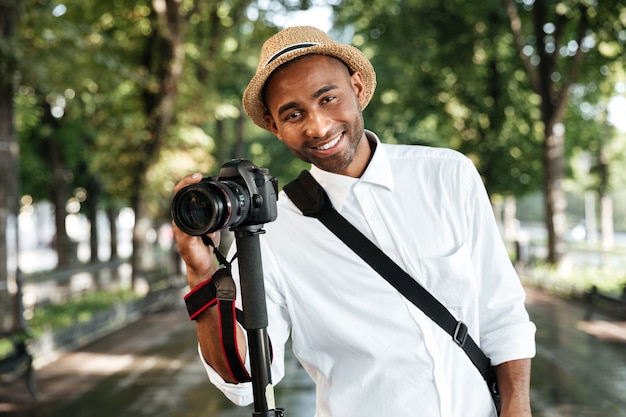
[{"x": 241, "y": 195}]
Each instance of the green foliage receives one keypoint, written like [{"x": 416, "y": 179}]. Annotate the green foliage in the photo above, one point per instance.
[
  {"x": 6, "y": 347},
  {"x": 457, "y": 81},
  {"x": 8, "y": 342},
  {"x": 570, "y": 281},
  {"x": 582, "y": 45},
  {"x": 448, "y": 74},
  {"x": 459, "y": 87},
  {"x": 267, "y": 151},
  {"x": 78, "y": 310},
  {"x": 67, "y": 138}
]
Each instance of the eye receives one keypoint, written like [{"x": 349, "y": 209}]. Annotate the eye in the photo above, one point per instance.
[
  {"x": 328, "y": 99},
  {"x": 293, "y": 116}
]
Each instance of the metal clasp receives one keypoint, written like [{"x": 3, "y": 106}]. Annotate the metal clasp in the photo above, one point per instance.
[{"x": 460, "y": 333}]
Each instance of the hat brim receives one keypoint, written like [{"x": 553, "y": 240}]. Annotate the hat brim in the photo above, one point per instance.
[{"x": 351, "y": 56}]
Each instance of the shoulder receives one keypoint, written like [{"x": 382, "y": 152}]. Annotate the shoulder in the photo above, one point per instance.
[
  {"x": 428, "y": 160},
  {"x": 404, "y": 152}
]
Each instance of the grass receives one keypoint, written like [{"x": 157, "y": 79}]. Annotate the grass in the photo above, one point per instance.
[{"x": 76, "y": 310}]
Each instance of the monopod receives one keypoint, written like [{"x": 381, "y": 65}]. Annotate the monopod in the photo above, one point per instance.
[{"x": 255, "y": 319}]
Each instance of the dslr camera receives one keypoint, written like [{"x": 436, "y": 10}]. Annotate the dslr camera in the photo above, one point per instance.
[{"x": 241, "y": 195}]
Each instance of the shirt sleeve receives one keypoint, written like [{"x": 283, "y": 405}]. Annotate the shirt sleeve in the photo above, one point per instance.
[
  {"x": 506, "y": 332},
  {"x": 278, "y": 331},
  {"x": 240, "y": 394}
]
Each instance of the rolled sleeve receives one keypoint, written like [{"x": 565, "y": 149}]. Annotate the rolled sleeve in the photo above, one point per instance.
[
  {"x": 515, "y": 341},
  {"x": 240, "y": 394},
  {"x": 506, "y": 330}
]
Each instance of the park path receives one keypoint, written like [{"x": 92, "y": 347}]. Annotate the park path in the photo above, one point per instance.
[{"x": 151, "y": 368}]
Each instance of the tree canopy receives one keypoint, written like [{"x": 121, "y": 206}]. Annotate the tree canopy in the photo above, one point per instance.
[
  {"x": 493, "y": 80},
  {"x": 125, "y": 97}
]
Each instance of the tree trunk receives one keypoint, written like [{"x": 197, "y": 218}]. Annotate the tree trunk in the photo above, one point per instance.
[
  {"x": 607, "y": 231},
  {"x": 221, "y": 144},
  {"x": 59, "y": 188},
  {"x": 591, "y": 228},
  {"x": 112, "y": 216},
  {"x": 554, "y": 195},
  {"x": 164, "y": 57},
  {"x": 62, "y": 242},
  {"x": 240, "y": 144},
  {"x": 10, "y": 294},
  {"x": 509, "y": 219},
  {"x": 606, "y": 202},
  {"x": 93, "y": 192},
  {"x": 554, "y": 98},
  {"x": 142, "y": 257}
]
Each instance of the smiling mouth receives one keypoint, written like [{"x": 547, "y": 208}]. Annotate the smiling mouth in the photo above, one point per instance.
[{"x": 329, "y": 144}]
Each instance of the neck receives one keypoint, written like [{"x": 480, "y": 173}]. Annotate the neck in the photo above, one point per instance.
[{"x": 362, "y": 157}]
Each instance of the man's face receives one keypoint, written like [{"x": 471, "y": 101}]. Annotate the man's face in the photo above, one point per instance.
[{"x": 314, "y": 109}]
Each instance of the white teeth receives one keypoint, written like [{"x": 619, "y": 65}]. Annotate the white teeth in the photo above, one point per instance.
[{"x": 329, "y": 144}]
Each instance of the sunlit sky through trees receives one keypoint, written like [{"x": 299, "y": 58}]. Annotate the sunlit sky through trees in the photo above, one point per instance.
[{"x": 321, "y": 17}]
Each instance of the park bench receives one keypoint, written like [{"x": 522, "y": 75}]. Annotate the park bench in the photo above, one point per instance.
[
  {"x": 599, "y": 302},
  {"x": 15, "y": 361}
]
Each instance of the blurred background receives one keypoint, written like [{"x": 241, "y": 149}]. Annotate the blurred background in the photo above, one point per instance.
[{"x": 105, "y": 105}]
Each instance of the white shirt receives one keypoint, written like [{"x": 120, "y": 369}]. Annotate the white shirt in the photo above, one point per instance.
[{"x": 369, "y": 350}]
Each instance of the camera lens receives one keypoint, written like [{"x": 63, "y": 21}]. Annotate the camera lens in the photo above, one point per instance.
[{"x": 208, "y": 206}]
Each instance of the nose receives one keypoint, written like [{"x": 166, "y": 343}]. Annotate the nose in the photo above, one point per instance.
[{"x": 317, "y": 124}]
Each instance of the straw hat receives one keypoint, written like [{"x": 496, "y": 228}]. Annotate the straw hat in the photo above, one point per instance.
[{"x": 291, "y": 43}]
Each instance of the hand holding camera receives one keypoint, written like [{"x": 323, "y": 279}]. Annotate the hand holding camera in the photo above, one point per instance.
[
  {"x": 197, "y": 256},
  {"x": 241, "y": 195}
]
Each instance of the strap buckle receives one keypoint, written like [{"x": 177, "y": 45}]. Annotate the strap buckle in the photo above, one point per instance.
[{"x": 460, "y": 333}]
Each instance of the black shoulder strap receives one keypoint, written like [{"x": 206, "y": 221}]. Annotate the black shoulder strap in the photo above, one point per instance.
[{"x": 313, "y": 201}]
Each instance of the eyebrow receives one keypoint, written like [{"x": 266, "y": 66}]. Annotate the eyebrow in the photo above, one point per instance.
[
  {"x": 324, "y": 90},
  {"x": 315, "y": 95}
]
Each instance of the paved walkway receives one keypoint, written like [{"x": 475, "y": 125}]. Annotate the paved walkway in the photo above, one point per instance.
[
  {"x": 580, "y": 367},
  {"x": 152, "y": 359},
  {"x": 150, "y": 368}
]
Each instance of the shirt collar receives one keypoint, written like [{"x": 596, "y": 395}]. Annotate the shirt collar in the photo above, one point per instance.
[{"x": 378, "y": 172}]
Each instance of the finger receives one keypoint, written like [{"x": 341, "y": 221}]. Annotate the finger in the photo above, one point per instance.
[
  {"x": 179, "y": 235},
  {"x": 215, "y": 237},
  {"x": 187, "y": 180},
  {"x": 190, "y": 247}
]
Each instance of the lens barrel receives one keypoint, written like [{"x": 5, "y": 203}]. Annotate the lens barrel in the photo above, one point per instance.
[{"x": 209, "y": 206}]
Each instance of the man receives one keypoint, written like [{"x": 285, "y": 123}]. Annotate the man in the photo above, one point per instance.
[{"x": 369, "y": 350}]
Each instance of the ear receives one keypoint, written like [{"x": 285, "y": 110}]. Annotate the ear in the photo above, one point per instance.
[
  {"x": 358, "y": 85},
  {"x": 271, "y": 125}
]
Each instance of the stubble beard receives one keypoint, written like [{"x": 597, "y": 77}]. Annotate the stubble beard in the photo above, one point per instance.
[{"x": 339, "y": 161}]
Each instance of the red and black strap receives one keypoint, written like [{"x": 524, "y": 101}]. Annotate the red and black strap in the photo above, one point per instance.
[
  {"x": 200, "y": 298},
  {"x": 220, "y": 290},
  {"x": 225, "y": 294}
]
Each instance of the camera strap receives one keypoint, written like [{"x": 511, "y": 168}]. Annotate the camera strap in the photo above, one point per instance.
[
  {"x": 220, "y": 291},
  {"x": 309, "y": 196}
]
